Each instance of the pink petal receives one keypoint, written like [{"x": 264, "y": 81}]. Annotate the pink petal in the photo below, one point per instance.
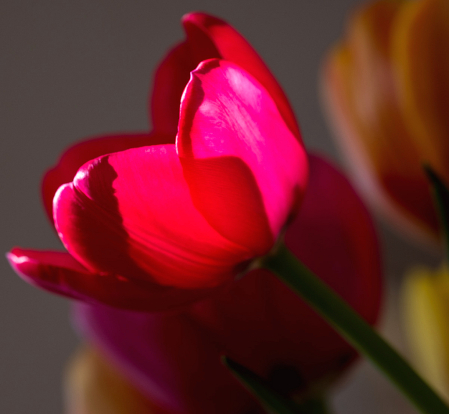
[
  {"x": 77, "y": 155},
  {"x": 60, "y": 273},
  {"x": 208, "y": 37},
  {"x": 131, "y": 213},
  {"x": 205, "y": 32},
  {"x": 245, "y": 169}
]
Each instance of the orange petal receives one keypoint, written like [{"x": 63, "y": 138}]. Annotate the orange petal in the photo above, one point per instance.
[{"x": 421, "y": 64}]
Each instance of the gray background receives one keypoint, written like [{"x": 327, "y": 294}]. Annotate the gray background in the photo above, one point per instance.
[{"x": 70, "y": 70}]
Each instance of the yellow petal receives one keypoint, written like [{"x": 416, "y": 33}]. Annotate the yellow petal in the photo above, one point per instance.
[
  {"x": 421, "y": 64},
  {"x": 425, "y": 300},
  {"x": 93, "y": 386}
]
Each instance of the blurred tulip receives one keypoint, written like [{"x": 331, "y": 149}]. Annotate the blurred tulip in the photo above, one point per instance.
[
  {"x": 93, "y": 386},
  {"x": 173, "y": 357},
  {"x": 386, "y": 91},
  {"x": 150, "y": 222},
  {"x": 425, "y": 300}
]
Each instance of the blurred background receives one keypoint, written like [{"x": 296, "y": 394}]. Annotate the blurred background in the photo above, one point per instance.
[{"x": 70, "y": 70}]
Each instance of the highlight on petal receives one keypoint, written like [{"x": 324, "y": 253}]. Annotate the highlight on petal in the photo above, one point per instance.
[
  {"x": 208, "y": 37},
  {"x": 205, "y": 33},
  {"x": 60, "y": 273},
  {"x": 425, "y": 295},
  {"x": 93, "y": 386},
  {"x": 131, "y": 213},
  {"x": 245, "y": 169},
  {"x": 77, "y": 155},
  {"x": 257, "y": 319}
]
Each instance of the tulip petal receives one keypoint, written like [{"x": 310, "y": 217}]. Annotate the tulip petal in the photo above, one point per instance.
[
  {"x": 258, "y": 319},
  {"x": 245, "y": 169},
  {"x": 131, "y": 213},
  {"x": 170, "y": 79},
  {"x": 78, "y": 154},
  {"x": 208, "y": 37},
  {"x": 52, "y": 271},
  {"x": 421, "y": 63},
  {"x": 60, "y": 273},
  {"x": 206, "y": 33}
]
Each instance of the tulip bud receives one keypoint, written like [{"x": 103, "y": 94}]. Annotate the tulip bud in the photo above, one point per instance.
[{"x": 386, "y": 91}]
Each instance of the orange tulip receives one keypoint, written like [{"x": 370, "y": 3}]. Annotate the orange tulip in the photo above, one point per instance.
[{"x": 386, "y": 90}]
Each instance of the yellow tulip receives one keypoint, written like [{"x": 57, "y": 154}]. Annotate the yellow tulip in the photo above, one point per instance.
[
  {"x": 386, "y": 91},
  {"x": 425, "y": 300},
  {"x": 93, "y": 386}
]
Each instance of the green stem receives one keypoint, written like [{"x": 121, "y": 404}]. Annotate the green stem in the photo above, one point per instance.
[{"x": 351, "y": 326}]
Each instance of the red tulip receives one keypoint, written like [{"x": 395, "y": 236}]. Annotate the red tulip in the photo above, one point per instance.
[
  {"x": 151, "y": 223},
  {"x": 173, "y": 357}
]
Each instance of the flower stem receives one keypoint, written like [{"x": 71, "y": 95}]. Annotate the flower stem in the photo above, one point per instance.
[
  {"x": 272, "y": 402},
  {"x": 352, "y": 327}
]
